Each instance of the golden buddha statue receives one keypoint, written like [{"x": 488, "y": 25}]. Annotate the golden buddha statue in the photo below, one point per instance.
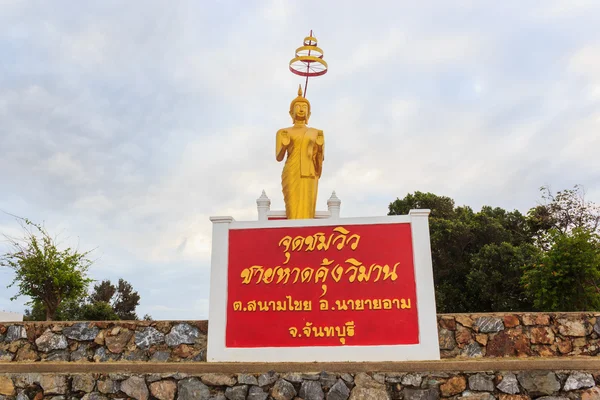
[{"x": 304, "y": 163}]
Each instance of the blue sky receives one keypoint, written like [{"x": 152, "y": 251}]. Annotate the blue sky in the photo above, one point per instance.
[{"x": 125, "y": 127}]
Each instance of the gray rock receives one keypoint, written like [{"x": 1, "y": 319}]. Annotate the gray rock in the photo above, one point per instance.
[
  {"x": 481, "y": 383},
  {"x": 311, "y": 377},
  {"x": 163, "y": 390},
  {"x": 446, "y": 338},
  {"x": 81, "y": 332},
  {"x": 200, "y": 356},
  {"x": 339, "y": 391},
  {"x": 552, "y": 398},
  {"x": 421, "y": 394},
  {"x": 15, "y": 332},
  {"x": 236, "y": 392},
  {"x": 59, "y": 355},
  {"x": 363, "y": 393},
  {"x": 394, "y": 377},
  {"x": 182, "y": 333},
  {"x": 579, "y": 380},
  {"x": 107, "y": 386},
  {"x": 379, "y": 377},
  {"x": 597, "y": 326},
  {"x": 412, "y": 380},
  {"x": 539, "y": 383},
  {"x": 562, "y": 377},
  {"x": 293, "y": 377},
  {"x": 509, "y": 384},
  {"x": 24, "y": 380},
  {"x": 135, "y": 387},
  {"x": 137, "y": 355},
  {"x": 489, "y": 324},
  {"x": 472, "y": 350},
  {"x": 6, "y": 355},
  {"x": 156, "y": 377},
  {"x": 245, "y": 379},
  {"x": 21, "y": 396},
  {"x": 347, "y": 378},
  {"x": 468, "y": 395},
  {"x": 192, "y": 389},
  {"x": 94, "y": 396},
  {"x": 49, "y": 341},
  {"x": 148, "y": 337},
  {"x": 101, "y": 355},
  {"x": 81, "y": 353},
  {"x": 83, "y": 383},
  {"x": 282, "y": 390},
  {"x": 364, "y": 380},
  {"x": 311, "y": 390},
  {"x": 218, "y": 396},
  {"x": 160, "y": 356},
  {"x": 268, "y": 379},
  {"x": 327, "y": 380},
  {"x": 117, "y": 376},
  {"x": 218, "y": 379},
  {"x": 53, "y": 384},
  {"x": 256, "y": 393},
  {"x": 568, "y": 327}
]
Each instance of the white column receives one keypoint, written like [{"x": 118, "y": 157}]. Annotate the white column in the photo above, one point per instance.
[
  {"x": 333, "y": 205},
  {"x": 263, "y": 203},
  {"x": 218, "y": 285},
  {"x": 419, "y": 223}
]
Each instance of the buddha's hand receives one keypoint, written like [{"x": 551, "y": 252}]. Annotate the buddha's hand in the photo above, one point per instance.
[
  {"x": 320, "y": 139},
  {"x": 285, "y": 137}
]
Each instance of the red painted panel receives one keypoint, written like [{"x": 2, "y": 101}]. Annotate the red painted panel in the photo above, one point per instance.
[{"x": 327, "y": 289}]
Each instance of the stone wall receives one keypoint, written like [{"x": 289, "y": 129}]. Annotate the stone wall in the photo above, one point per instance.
[
  {"x": 519, "y": 335},
  {"x": 517, "y": 385},
  {"x": 104, "y": 341},
  {"x": 461, "y": 336}
]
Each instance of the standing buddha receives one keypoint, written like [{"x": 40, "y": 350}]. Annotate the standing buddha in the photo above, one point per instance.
[{"x": 302, "y": 169}]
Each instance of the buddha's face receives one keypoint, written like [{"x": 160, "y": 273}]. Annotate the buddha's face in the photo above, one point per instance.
[{"x": 300, "y": 111}]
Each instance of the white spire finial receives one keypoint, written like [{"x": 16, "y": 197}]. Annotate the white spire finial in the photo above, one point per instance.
[
  {"x": 263, "y": 204},
  {"x": 333, "y": 204}
]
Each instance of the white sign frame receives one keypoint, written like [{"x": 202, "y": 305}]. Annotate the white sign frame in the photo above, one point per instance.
[{"x": 426, "y": 349}]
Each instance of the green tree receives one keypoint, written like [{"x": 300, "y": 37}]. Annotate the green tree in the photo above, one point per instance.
[
  {"x": 103, "y": 292},
  {"x": 106, "y": 302},
  {"x": 126, "y": 301},
  {"x": 44, "y": 273},
  {"x": 97, "y": 311},
  {"x": 122, "y": 298},
  {"x": 461, "y": 242},
  {"x": 561, "y": 213},
  {"x": 74, "y": 310},
  {"x": 567, "y": 276},
  {"x": 494, "y": 280}
]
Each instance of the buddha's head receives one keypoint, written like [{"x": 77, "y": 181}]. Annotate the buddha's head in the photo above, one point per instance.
[{"x": 300, "y": 108}]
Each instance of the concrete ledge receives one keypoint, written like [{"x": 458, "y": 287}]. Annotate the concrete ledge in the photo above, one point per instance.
[{"x": 503, "y": 364}]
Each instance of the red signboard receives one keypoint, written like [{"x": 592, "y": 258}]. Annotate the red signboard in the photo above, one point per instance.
[{"x": 347, "y": 285}]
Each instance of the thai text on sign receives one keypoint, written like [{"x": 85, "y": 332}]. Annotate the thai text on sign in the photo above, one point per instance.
[{"x": 321, "y": 286}]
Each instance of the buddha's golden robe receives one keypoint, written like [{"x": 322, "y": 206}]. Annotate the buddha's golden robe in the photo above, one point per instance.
[{"x": 301, "y": 172}]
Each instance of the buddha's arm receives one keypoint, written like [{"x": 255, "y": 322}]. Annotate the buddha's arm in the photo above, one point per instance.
[
  {"x": 319, "y": 154},
  {"x": 282, "y": 142}
]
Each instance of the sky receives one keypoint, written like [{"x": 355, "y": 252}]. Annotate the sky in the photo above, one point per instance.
[{"x": 125, "y": 126}]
